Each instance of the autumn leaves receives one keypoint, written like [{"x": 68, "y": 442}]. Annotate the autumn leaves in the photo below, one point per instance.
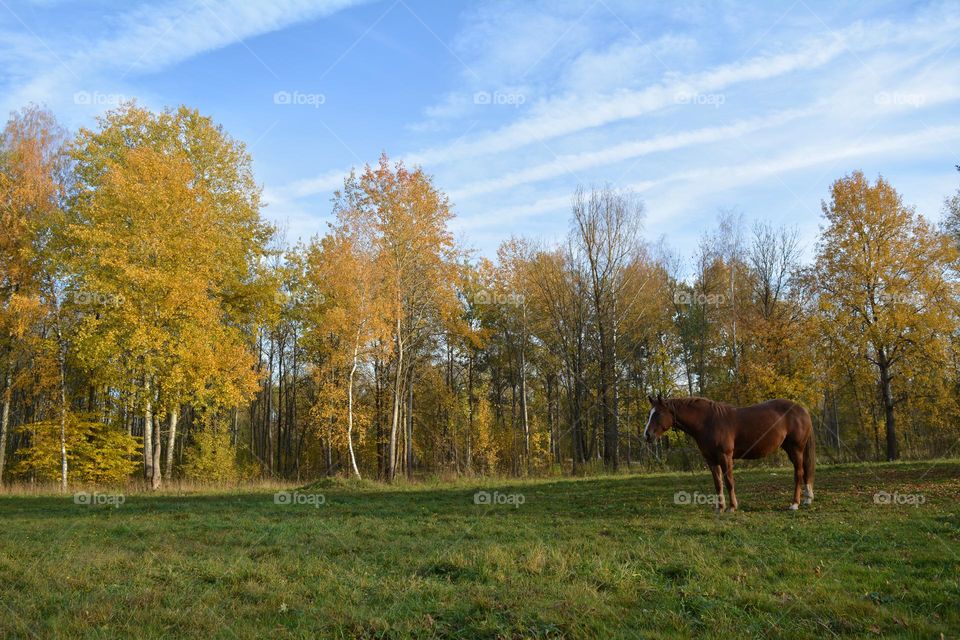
[{"x": 149, "y": 318}]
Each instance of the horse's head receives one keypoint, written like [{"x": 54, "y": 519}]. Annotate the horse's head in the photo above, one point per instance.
[{"x": 660, "y": 419}]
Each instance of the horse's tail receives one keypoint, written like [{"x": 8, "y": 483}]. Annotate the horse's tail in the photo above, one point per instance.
[{"x": 810, "y": 458}]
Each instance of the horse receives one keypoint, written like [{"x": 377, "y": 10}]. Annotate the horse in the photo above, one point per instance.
[{"x": 724, "y": 432}]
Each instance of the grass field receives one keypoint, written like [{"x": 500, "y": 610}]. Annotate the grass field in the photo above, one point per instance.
[{"x": 597, "y": 557}]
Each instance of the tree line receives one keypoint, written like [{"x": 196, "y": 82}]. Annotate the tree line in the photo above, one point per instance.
[{"x": 153, "y": 325}]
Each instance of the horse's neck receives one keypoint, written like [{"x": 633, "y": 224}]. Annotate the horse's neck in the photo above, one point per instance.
[{"x": 690, "y": 419}]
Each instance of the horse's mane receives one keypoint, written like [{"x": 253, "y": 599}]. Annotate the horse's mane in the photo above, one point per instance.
[{"x": 719, "y": 409}]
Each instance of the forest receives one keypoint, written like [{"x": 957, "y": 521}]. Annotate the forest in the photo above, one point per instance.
[{"x": 155, "y": 328}]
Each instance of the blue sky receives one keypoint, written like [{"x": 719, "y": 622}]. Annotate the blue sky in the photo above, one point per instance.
[{"x": 696, "y": 106}]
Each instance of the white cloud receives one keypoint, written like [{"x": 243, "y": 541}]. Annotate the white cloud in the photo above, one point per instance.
[
  {"x": 146, "y": 40},
  {"x": 574, "y": 111},
  {"x": 571, "y": 163},
  {"x": 693, "y": 185},
  {"x": 329, "y": 181}
]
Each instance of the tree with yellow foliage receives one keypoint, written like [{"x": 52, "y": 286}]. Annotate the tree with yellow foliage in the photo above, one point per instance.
[
  {"x": 885, "y": 290},
  {"x": 32, "y": 186},
  {"x": 346, "y": 312},
  {"x": 404, "y": 218},
  {"x": 164, "y": 233}
]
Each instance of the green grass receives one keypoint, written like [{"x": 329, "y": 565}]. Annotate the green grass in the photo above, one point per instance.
[{"x": 597, "y": 557}]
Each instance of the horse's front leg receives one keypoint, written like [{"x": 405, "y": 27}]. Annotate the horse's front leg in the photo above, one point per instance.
[
  {"x": 718, "y": 484},
  {"x": 726, "y": 464}
]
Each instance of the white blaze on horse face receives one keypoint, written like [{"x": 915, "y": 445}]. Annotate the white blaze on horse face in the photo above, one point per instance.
[{"x": 646, "y": 429}]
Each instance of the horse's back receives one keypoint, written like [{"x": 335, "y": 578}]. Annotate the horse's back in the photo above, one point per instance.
[
  {"x": 781, "y": 408},
  {"x": 762, "y": 428}
]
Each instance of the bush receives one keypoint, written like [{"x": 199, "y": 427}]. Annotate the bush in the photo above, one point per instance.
[{"x": 97, "y": 453}]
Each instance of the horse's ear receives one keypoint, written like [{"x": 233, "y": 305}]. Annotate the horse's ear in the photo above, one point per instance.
[
  {"x": 650, "y": 399},
  {"x": 659, "y": 398}
]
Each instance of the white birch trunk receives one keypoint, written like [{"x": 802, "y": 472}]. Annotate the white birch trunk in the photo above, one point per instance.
[
  {"x": 395, "y": 423},
  {"x": 148, "y": 431},
  {"x": 172, "y": 437},
  {"x": 5, "y": 417},
  {"x": 353, "y": 370}
]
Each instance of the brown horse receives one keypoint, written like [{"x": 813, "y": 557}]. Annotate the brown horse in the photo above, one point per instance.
[{"x": 724, "y": 432}]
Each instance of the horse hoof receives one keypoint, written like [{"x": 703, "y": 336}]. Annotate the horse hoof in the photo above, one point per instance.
[
  {"x": 731, "y": 509},
  {"x": 807, "y": 502},
  {"x": 793, "y": 507}
]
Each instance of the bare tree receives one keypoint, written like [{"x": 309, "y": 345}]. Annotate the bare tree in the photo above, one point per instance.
[{"x": 606, "y": 228}]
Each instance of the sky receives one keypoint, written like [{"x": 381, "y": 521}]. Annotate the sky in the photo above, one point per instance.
[{"x": 697, "y": 107}]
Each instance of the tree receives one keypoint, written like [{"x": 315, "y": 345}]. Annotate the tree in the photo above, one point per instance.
[
  {"x": 33, "y": 182},
  {"x": 559, "y": 300},
  {"x": 405, "y": 218},
  {"x": 885, "y": 286},
  {"x": 164, "y": 236},
  {"x": 346, "y": 313},
  {"x": 951, "y": 206},
  {"x": 606, "y": 226}
]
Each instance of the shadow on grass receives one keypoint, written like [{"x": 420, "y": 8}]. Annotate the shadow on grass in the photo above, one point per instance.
[{"x": 613, "y": 497}]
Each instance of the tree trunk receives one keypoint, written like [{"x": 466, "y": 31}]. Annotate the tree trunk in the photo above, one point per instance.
[
  {"x": 148, "y": 431},
  {"x": 5, "y": 416},
  {"x": 353, "y": 370},
  {"x": 893, "y": 449},
  {"x": 63, "y": 429},
  {"x": 523, "y": 400},
  {"x": 409, "y": 438},
  {"x": 395, "y": 422},
  {"x": 157, "y": 478},
  {"x": 267, "y": 421},
  {"x": 62, "y": 362},
  {"x": 468, "y": 454},
  {"x": 172, "y": 438},
  {"x": 378, "y": 409}
]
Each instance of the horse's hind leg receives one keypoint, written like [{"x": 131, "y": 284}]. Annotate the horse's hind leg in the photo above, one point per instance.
[
  {"x": 726, "y": 464},
  {"x": 796, "y": 457}
]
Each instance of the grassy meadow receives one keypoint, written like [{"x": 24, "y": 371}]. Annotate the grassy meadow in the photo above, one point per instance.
[{"x": 625, "y": 556}]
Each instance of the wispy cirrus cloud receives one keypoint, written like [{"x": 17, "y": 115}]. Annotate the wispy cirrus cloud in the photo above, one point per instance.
[
  {"x": 572, "y": 163},
  {"x": 681, "y": 189},
  {"x": 576, "y": 111},
  {"x": 48, "y": 67},
  {"x": 689, "y": 104}
]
